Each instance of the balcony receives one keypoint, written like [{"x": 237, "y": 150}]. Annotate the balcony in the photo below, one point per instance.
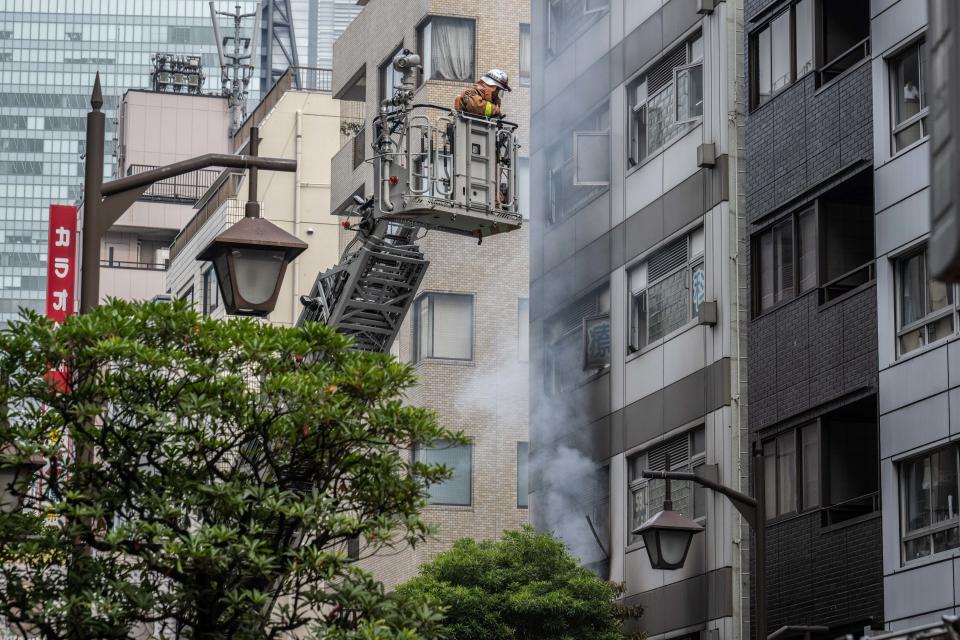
[
  {"x": 184, "y": 189},
  {"x": 142, "y": 266},
  {"x": 348, "y": 173},
  {"x": 131, "y": 280}
]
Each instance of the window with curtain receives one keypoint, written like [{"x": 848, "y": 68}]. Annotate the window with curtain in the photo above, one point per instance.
[
  {"x": 929, "y": 509},
  {"x": 443, "y": 326},
  {"x": 459, "y": 460},
  {"x": 666, "y": 290},
  {"x": 786, "y": 262},
  {"x": 525, "y": 55},
  {"x": 925, "y": 307},
  {"x": 908, "y": 96},
  {"x": 447, "y": 49},
  {"x": 211, "y": 292},
  {"x": 523, "y": 487}
]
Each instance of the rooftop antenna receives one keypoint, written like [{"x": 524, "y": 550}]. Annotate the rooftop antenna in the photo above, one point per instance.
[{"x": 236, "y": 68}]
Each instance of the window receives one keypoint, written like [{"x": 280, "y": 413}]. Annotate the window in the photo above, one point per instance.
[
  {"x": 687, "y": 452},
  {"x": 830, "y": 465},
  {"x": 210, "y": 292},
  {"x": 187, "y": 294},
  {"x": 925, "y": 307},
  {"x": 666, "y": 290},
  {"x": 523, "y": 186},
  {"x": 390, "y": 78},
  {"x": 908, "y": 96},
  {"x": 929, "y": 507},
  {"x": 578, "y": 165},
  {"x": 844, "y": 36},
  {"x": 523, "y": 454},
  {"x": 566, "y": 334},
  {"x": 523, "y": 329},
  {"x": 781, "y": 51},
  {"x": 788, "y": 242},
  {"x": 566, "y": 19},
  {"x": 525, "y": 55},
  {"x": 666, "y": 100},
  {"x": 443, "y": 327},
  {"x": 458, "y": 459},
  {"x": 446, "y": 49}
]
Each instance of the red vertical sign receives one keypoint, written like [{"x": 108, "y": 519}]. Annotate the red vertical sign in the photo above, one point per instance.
[{"x": 61, "y": 261}]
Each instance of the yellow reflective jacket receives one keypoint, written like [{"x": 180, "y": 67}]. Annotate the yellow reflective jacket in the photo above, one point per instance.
[{"x": 480, "y": 99}]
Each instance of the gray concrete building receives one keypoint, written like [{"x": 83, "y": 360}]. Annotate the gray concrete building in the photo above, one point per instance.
[
  {"x": 638, "y": 301},
  {"x": 918, "y": 352}
]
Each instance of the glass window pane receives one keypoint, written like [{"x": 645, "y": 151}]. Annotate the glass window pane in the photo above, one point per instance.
[
  {"x": 592, "y": 158},
  {"x": 763, "y": 77},
  {"x": 456, "y": 490},
  {"x": 810, "y": 443},
  {"x": 689, "y": 93},
  {"x": 807, "y": 230},
  {"x": 783, "y": 262},
  {"x": 940, "y": 295},
  {"x": 916, "y": 479},
  {"x": 766, "y": 271},
  {"x": 943, "y": 486},
  {"x": 661, "y": 119},
  {"x": 638, "y": 511},
  {"x": 906, "y": 137},
  {"x": 906, "y": 85},
  {"x": 770, "y": 478},
  {"x": 780, "y": 52},
  {"x": 912, "y": 307},
  {"x": 804, "y": 37},
  {"x": 786, "y": 473},
  {"x": 525, "y": 54},
  {"x": 667, "y": 305},
  {"x": 451, "y": 49},
  {"x": 523, "y": 329},
  {"x": 452, "y": 326},
  {"x": 523, "y": 450}
]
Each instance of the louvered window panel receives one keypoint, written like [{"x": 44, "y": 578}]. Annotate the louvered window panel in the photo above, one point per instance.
[
  {"x": 661, "y": 74},
  {"x": 572, "y": 317},
  {"x": 671, "y": 257},
  {"x": 679, "y": 449}
]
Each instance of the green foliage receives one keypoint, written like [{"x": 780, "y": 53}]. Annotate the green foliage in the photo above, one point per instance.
[
  {"x": 209, "y": 475},
  {"x": 524, "y": 587}
]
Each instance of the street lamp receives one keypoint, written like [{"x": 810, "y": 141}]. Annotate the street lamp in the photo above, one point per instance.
[
  {"x": 104, "y": 203},
  {"x": 670, "y": 533},
  {"x": 251, "y": 257}
]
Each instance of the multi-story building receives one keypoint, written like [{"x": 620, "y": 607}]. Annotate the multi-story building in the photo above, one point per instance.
[
  {"x": 918, "y": 352},
  {"x": 815, "y": 136},
  {"x": 297, "y": 123},
  {"x": 155, "y": 129},
  {"x": 466, "y": 332},
  {"x": 638, "y": 303}
]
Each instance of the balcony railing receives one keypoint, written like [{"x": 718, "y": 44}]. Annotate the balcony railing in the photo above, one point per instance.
[
  {"x": 850, "y": 509},
  {"x": 844, "y": 61},
  {"x": 143, "y": 266},
  {"x": 294, "y": 78},
  {"x": 226, "y": 190},
  {"x": 849, "y": 281},
  {"x": 184, "y": 189}
]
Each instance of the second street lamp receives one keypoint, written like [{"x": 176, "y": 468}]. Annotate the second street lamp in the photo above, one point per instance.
[
  {"x": 251, "y": 257},
  {"x": 668, "y": 534}
]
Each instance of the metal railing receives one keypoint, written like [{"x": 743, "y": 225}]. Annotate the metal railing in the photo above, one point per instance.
[
  {"x": 143, "y": 266},
  {"x": 183, "y": 189},
  {"x": 844, "y": 61},
  {"x": 295, "y": 78},
  {"x": 850, "y": 509},
  {"x": 847, "y": 282},
  {"x": 226, "y": 190}
]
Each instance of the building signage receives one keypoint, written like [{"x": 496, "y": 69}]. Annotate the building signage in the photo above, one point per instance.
[
  {"x": 596, "y": 342},
  {"x": 61, "y": 261}
]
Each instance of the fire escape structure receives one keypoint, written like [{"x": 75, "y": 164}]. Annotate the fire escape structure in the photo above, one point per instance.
[{"x": 434, "y": 168}]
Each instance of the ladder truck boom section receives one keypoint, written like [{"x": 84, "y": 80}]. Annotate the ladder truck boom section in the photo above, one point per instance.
[{"x": 434, "y": 168}]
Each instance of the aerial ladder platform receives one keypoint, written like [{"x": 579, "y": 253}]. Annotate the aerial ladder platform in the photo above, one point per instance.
[{"x": 434, "y": 168}]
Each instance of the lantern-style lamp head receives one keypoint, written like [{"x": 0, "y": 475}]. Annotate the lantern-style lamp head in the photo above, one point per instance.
[
  {"x": 667, "y": 536},
  {"x": 250, "y": 259},
  {"x": 15, "y": 478}
]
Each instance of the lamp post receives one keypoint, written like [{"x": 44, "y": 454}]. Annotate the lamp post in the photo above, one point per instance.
[
  {"x": 671, "y": 532},
  {"x": 103, "y": 204}
]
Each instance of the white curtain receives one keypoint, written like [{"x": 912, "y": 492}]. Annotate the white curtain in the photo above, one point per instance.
[
  {"x": 452, "y": 326},
  {"x": 451, "y": 49}
]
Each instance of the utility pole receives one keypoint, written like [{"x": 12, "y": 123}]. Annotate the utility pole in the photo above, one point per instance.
[{"x": 236, "y": 68}]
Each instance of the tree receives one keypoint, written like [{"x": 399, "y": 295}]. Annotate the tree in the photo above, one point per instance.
[
  {"x": 208, "y": 478},
  {"x": 525, "y": 586}
]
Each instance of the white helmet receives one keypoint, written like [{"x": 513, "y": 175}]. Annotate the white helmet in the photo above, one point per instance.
[{"x": 496, "y": 78}]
